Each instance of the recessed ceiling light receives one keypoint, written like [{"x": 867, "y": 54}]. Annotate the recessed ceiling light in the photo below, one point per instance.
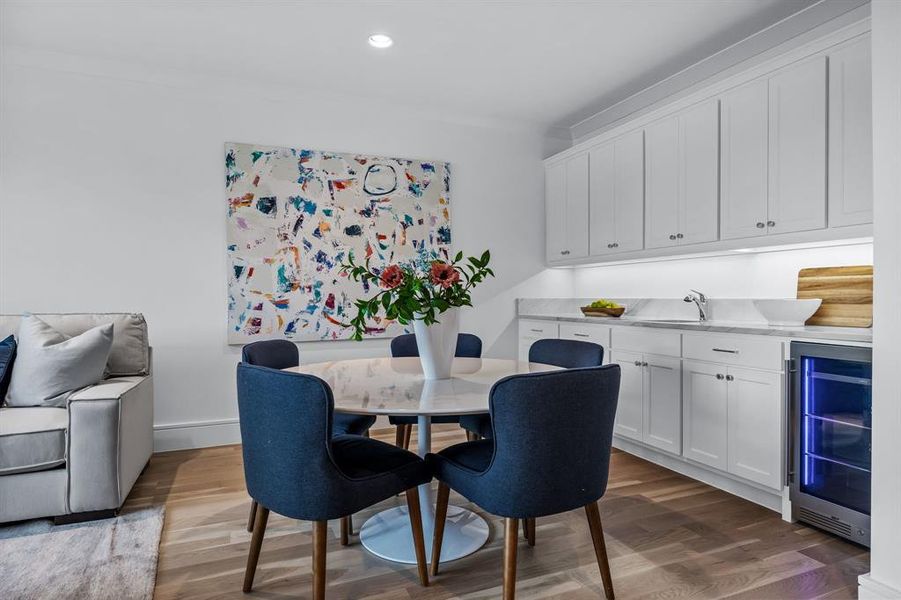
[{"x": 380, "y": 40}]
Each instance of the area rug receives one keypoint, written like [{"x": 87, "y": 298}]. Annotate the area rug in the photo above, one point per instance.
[{"x": 98, "y": 560}]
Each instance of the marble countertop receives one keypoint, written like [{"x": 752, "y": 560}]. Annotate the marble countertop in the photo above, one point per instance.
[{"x": 565, "y": 313}]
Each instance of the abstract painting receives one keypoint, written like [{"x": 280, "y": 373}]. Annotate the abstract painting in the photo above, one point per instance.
[{"x": 294, "y": 215}]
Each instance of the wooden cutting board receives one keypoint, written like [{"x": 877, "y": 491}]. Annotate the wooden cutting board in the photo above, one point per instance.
[{"x": 847, "y": 294}]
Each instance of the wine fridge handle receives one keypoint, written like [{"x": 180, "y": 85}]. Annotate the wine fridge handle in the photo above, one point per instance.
[{"x": 789, "y": 413}]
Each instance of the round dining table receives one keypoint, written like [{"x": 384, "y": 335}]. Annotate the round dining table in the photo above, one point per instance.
[{"x": 396, "y": 386}]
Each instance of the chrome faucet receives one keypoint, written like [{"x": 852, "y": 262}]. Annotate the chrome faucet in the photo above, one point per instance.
[{"x": 701, "y": 301}]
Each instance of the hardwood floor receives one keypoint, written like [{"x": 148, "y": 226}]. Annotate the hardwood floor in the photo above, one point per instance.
[{"x": 667, "y": 537}]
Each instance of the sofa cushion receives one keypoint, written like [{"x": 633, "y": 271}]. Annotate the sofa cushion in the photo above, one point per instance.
[
  {"x": 50, "y": 365},
  {"x": 7, "y": 356},
  {"x": 130, "y": 354},
  {"x": 32, "y": 438}
]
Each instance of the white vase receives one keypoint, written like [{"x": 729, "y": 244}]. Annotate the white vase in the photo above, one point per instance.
[{"x": 437, "y": 344}]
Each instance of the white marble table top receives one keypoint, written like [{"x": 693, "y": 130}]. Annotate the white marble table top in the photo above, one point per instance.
[{"x": 395, "y": 386}]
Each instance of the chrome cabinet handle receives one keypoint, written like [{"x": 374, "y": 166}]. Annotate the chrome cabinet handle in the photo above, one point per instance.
[
  {"x": 720, "y": 376},
  {"x": 537, "y": 330},
  {"x": 679, "y": 235},
  {"x": 771, "y": 223},
  {"x": 564, "y": 252},
  {"x": 672, "y": 236},
  {"x": 760, "y": 224},
  {"x": 730, "y": 378},
  {"x": 581, "y": 335},
  {"x": 725, "y": 350}
]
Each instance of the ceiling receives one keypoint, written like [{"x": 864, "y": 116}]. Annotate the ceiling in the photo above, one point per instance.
[{"x": 552, "y": 63}]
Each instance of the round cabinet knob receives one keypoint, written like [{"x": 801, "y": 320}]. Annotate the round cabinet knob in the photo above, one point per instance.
[
  {"x": 644, "y": 364},
  {"x": 564, "y": 252},
  {"x": 615, "y": 245},
  {"x": 672, "y": 236},
  {"x": 679, "y": 235},
  {"x": 637, "y": 363},
  {"x": 730, "y": 378},
  {"x": 720, "y": 376},
  {"x": 760, "y": 224},
  {"x": 771, "y": 223}
]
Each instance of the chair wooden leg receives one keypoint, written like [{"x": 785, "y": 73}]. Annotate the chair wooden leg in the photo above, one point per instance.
[
  {"x": 345, "y": 531},
  {"x": 600, "y": 548},
  {"x": 529, "y": 525},
  {"x": 256, "y": 542},
  {"x": 418, "y": 542},
  {"x": 408, "y": 433},
  {"x": 440, "y": 517},
  {"x": 399, "y": 436},
  {"x": 511, "y": 537},
  {"x": 320, "y": 528},
  {"x": 253, "y": 515}
]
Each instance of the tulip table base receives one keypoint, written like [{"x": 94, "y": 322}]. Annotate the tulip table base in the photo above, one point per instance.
[{"x": 388, "y": 534}]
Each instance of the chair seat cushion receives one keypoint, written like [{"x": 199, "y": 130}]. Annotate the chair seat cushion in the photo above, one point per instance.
[
  {"x": 32, "y": 438},
  {"x": 353, "y": 424},
  {"x": 359, "y": 457},
  {"x": 480, "y": 424},
  {"x": 412, "y": 420},
  {"x": 475, "y": 456}
]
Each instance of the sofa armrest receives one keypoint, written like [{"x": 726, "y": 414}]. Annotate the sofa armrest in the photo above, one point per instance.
[{"x": 110, "y": 441}]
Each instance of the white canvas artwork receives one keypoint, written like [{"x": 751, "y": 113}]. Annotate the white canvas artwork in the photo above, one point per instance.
[{"x": 294, "y": 215}]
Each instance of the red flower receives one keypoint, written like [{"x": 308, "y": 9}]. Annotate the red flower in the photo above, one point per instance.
[
  {"x": 392, "y": 277},
  {"x": 444, "y": 274}
]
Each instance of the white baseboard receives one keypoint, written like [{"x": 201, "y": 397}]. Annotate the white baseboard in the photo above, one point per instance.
[
  {"x": 870, "y": 589},
  {"x": 197, "y": 434},
  {"x": 766, "y": 498}
]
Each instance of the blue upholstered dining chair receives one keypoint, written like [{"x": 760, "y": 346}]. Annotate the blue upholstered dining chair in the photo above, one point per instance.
[
  {"x": 294, "y": 466},
  {"x": 282, "y": 354},
  {"x": 468, "y": 346},
  {"x": 569, "y": 354},
  {"x": 550, "y": 453}
]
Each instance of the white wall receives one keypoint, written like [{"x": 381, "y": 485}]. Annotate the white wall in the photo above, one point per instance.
[
  {"x": 112, "y": 199},
  {"x": 738, "y": 275},
  {"x": 884, "y": 579}
]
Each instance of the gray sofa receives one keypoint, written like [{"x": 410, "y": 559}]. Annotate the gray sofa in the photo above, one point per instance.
[{"x": 81, "y": 461}]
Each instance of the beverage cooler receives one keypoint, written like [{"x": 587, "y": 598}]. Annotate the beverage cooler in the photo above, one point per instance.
[{"x": 831, "y": 408}]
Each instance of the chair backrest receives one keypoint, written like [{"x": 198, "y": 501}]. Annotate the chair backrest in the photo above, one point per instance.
[
  {"x": 275, "y": 354},
  {"x": 468, "y": 346},
  {"x": 569, "y": 354},
  {"x": 552, "y": 434},
  {"x": 286, "y": 424}
]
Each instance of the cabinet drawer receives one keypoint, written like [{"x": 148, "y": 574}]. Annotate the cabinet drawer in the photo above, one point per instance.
[
  {"x": 638, "y": 339},
  {"x": 743, "y": 351},
  {"x": 538, "y": 330},
  {"x": 586, "y": 332}
]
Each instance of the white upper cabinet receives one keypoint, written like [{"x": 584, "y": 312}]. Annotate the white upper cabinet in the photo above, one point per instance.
[
  {"x": 743, "y": 160},
  {"x": 850, "y": 135},
  {"x": 566, "y": 209},
  {"x": 797, "y": 161},
  {"x": 681, "y": 175},
  {"x": 616, "y": 194}
]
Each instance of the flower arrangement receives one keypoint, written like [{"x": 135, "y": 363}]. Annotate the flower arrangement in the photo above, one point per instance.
[{"x": 416, "y": 290}]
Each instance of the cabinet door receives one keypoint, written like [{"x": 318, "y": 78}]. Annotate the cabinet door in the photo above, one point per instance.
[
  {"x": 602, "y": 192},
  {"x": 629, "y": 407},
  {"x": 704, "y": 413},
  {"x": 755, "y": 425},
  {"x": 555, "y": 210},
  {"x": 530, "y": 331},
  {"x": 576, "y": 243},
  {"x": 850, "y": 135},
  {"x": 662, "y": 422},
  {"x": 743, "y": 161},
  {"x": 699, "y": 155},
  {"x": 629, "y": 206},
  {"x": 662, "y": 184},
  {"x": 797, "y": 161}
]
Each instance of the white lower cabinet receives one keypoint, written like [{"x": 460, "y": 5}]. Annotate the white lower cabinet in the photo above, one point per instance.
[
  {"x": 629, "y": 409},
  {"x": 704, "y": 413},
  {"x": 530, "y": 331},
  {"x": 732, "y": 420},
  {"x": 755, "y": 425},
  {"x": 649, "y": 400}
]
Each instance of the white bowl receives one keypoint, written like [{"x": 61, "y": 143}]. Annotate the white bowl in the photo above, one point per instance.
[{"x": 787, "y": 313}]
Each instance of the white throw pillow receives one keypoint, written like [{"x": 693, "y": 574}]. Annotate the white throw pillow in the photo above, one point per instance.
[{"x": 50, "y": 365}]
